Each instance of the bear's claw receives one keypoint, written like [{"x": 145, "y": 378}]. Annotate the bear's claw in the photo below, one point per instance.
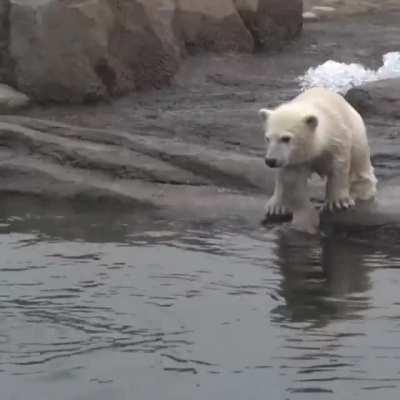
[
  {"x": 273, "y": 208},
  {"x": 340, "y": 204}
]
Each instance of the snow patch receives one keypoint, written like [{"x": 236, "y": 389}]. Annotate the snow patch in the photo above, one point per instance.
[{"x": 341, "y": 77}]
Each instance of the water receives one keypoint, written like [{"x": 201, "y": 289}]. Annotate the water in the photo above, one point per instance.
[{"x": 102, "y": 306}]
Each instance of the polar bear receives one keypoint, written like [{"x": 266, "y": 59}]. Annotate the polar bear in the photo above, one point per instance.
[{"x": 318, "y": 131}]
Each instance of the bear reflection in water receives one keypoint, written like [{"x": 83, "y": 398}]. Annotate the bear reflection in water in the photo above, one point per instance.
[{"x": 320, "y": 278}]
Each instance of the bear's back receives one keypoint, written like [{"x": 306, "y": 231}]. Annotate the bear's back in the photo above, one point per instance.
[{"x": 334, "y": 107}]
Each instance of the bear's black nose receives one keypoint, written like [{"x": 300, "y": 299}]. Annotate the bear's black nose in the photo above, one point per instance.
[{"x": 271, "y": 162}]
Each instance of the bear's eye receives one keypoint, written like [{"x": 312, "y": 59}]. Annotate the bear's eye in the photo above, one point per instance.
[
  {"x": 286, "y": 139},
  {"x": 267, "y": 139}
]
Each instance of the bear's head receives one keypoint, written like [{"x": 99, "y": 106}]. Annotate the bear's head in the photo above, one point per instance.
[{"x": 290, "y": 135}]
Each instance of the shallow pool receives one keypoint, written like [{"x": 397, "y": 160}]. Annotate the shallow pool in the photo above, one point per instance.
[{"x": 106, "y": 306}]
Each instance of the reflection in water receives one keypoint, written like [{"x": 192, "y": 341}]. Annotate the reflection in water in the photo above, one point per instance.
[
  {"x": 100, "y": 306},
  {"x": 329, "y": 295},
  {"x": 317, "y": 277}
]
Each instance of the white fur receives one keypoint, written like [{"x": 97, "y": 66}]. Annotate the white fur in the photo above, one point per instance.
[{"x": 320, "y": 132}]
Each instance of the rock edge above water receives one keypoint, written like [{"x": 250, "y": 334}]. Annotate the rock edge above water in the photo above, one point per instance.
[{"x": 57, "y": 162}]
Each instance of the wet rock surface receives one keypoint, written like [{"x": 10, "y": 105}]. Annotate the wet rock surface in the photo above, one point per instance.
[
  {"x": 330, "y": 9},
  {"x": 54, "y": 160},
  {"x": 196, "y": 147},
  {"x": 377, "y": 98}
]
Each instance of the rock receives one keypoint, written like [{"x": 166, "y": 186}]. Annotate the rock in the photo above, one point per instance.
[
  {"x": 323, "y": 9},
  {"x": 353, "y": 7},
  {"x": 310, "y": 16},
  {"x": 6, "y": 63},
  {"x": 323, "y": 12},
  {"x": 79, "y": 51},
  {"x": 68, "y": 51},
  {"x": 54, "y": 160},
  {"x": 272, "y": 22},
  {"x": 143, "y": 40},
  {"x": 213, "y": 25},
  {"x": 11, "y": 99},
  {"x": 377, "y": 98}
]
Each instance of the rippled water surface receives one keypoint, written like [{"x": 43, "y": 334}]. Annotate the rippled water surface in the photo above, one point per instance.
[{"x": 97, "y": 306}]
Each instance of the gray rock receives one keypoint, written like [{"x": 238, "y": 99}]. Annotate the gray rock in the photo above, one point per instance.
[
  {"x": 213, "y": 25},
  {"x": 67, "y": 51},
  {"x": 6, "y": 63},
  {"x": 272, "y": 22},
  {"x": 377, "y": 98},
  {"x": 309, "y": 16},
  {"x": 70, "y": 51},
  {"x": 11, "y": 99},
  {"x": 53, "y": 160}
]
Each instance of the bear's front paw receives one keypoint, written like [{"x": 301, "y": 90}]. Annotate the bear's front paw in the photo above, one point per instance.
[
  {"x": 274, "y": 207},
  {"x": 343, "y": 203}
]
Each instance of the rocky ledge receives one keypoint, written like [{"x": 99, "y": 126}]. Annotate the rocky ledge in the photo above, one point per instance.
[
  {"x": 78, "y": 51},
  {"x": 56, "y": 162},
  {"x": 377, "y": 98},
  {"x": 52, "y": 160}
]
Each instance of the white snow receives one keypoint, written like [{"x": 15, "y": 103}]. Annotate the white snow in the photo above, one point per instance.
[{"x": 340, "y": 77}]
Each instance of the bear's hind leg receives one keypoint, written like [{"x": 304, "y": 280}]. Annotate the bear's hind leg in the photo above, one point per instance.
[{"x": 363, "y": 186}]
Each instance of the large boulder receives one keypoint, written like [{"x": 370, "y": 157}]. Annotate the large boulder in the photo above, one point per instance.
[
  {"x": 78, "y": 51},
  {"x": 271, "y": 22},
  {"x": 377, "y": 98},
  {"x": 65, "y": 50},
  {"x": 213, "y": 25},
  {"x": 143, "y": 39}
]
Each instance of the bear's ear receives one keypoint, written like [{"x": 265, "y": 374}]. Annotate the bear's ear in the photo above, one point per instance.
[
  {"x": 264, "y": 113},
  {"x": 311, "y": 121}
]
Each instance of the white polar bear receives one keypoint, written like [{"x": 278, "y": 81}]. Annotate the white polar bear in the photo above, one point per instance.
[{"x": 318, "y": 131}]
